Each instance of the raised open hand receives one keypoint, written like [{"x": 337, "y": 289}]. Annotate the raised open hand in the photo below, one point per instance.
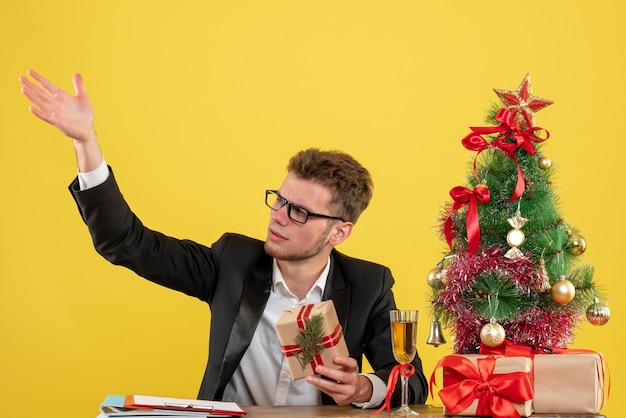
[{"x": 72, "y": 115}]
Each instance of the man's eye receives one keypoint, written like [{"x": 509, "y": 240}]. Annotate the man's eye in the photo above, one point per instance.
[{"x": 299, "y": 210}]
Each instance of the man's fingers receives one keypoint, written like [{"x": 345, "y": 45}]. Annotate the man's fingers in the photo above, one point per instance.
[
  {"x": 47, "y": 85},
  {"x": 37, "y": 99},
  {"x": 79, "y": 87},
  {"x": 45, "y": 116}
]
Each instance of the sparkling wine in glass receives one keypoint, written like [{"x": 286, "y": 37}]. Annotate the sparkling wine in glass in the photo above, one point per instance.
[{"x": 403, "y": 338}]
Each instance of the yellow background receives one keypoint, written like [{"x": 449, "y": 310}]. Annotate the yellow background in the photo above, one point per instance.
[{"x": 200, "y": 104}]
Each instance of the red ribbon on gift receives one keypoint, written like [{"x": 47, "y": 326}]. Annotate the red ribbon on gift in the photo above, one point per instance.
[
  {"x": 327, "y": 341},
  {"x": 406, "y": 370},
  {"x": 510, "y": 130},
  {"x": 510, "y": 349},
  {"x": 495, "y": 392},
  {"x": 462, "y": 196}
]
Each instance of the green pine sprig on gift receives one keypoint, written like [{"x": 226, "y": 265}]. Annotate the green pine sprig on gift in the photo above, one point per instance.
[{"x": 310, "y": 339}]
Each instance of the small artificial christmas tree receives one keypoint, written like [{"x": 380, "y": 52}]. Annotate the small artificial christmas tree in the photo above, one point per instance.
[{"x": 513, "y": 270}]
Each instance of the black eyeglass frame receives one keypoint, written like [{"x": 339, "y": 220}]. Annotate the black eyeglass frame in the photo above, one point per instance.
[{"x": 285, "y": 202}]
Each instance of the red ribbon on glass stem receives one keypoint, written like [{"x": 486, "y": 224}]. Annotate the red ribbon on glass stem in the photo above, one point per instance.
[
  {"x": 495, "y": 392},
  {"x": 462, "y": 196},
  {"x": 406, "y": 370}
]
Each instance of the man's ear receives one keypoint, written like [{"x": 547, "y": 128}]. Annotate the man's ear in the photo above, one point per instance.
[{"x": 340, "y": 232}]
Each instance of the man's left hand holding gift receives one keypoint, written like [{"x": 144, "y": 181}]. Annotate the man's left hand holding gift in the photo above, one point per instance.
[{"x": 345, "y": 385}]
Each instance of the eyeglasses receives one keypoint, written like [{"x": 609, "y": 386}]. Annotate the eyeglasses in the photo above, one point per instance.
[{"x": 295, "y": 212}]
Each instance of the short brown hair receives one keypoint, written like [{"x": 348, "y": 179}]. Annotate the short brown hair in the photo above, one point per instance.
[{"x": 349, "y": 182}]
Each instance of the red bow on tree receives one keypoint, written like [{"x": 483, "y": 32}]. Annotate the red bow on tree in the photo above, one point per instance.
[
  {"x": 462, "y": 196},
  {"x": 510, "y": 129}
]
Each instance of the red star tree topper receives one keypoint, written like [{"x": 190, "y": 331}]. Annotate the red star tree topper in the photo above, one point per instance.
[{"x": 522, "y": 103}]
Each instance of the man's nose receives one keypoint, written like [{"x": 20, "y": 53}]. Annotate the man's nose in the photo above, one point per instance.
[{"x": 281, "y": 215}]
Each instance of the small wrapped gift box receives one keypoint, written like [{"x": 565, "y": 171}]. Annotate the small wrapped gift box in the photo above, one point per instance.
[
  {"x": 568, "y": 383},
  {"x": 486, "y": 385},
  {"x": 310, "y": 335}
]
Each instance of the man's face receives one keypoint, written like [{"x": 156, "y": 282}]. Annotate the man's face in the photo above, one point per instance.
[{"x": 291, "y": 241}]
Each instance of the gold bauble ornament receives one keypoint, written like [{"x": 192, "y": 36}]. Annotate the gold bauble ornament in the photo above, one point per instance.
[
  {"x": 563, "y": 291},
  {"x": 492, "y": 334},
  {"x": 544, "y": 163},
  {"x": 435, "y": 276},
  {"x": 576, "y": 244},
  {"x": 598, "y": 313}
]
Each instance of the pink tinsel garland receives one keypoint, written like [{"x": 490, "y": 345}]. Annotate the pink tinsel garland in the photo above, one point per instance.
[{"x": 539, "y": 328}]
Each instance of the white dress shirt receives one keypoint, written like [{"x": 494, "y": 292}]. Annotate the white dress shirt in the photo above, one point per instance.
[{"x": 263, "y": 377}]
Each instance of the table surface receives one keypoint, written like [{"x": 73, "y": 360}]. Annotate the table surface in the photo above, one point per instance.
[{"x": 425, "y": 411}]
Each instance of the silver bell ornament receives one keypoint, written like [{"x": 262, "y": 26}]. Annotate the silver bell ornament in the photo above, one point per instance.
[{"x": 435, "y": 336}]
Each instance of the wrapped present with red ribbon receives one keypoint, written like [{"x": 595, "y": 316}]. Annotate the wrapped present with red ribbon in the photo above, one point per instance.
[
  {"x": 569, "y": 383},
  {"x": 310, "y": 335},
  {"x": 485, "y": 385}
]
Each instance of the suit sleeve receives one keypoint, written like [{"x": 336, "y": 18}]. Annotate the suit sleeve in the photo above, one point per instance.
[{"x": 121, "y": 238}]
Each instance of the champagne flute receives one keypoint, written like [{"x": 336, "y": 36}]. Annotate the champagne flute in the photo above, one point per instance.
[{"x": 403, "y": 337}]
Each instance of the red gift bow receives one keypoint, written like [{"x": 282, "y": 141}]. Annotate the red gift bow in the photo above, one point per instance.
[
  {"x": 399, "y": 369},
  {"x": 462, "y": 196},
  {"x": 327, "y": 341},
  {"x": 495, "y": 392},
  {"x": 510, "y": 129}
]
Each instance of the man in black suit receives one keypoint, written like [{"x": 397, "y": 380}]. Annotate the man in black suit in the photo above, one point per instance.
[{"x": 246, "y": 282}]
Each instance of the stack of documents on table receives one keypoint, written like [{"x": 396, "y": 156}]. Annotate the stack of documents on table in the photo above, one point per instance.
[{"x": 156, "y": 406}]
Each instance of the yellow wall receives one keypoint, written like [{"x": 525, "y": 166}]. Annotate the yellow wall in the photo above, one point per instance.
[{"x": 199, "y": 105}]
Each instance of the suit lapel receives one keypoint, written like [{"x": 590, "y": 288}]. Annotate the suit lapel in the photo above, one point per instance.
[
  {"x": 338, "y": 291},
  {"x": 255, "y": 294}
]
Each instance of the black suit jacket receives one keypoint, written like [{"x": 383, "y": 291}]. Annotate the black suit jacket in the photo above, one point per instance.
[{"x": 234, "y": 277}]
